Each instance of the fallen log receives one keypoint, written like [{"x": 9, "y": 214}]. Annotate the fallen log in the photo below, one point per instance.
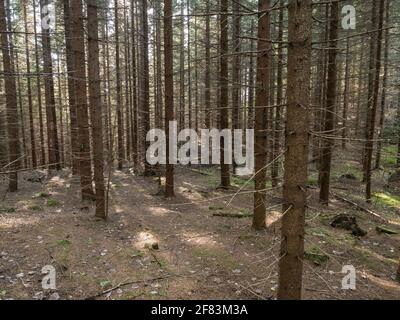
[{"x": 360, "y": 207}]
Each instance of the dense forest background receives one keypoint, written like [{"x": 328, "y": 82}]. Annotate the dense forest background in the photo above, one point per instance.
[{"x": 83, "y": 82}]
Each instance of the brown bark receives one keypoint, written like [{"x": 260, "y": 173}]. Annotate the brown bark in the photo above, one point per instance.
[
  {"x": 207, "y": 82},
  {"x": 145, "y": 90},
  {"x": 134, "y": 89},
  {"x": 51, "y": 118},
  {"x": 11, "y": 105},
  {"x": 223, "y": 84},
  {"x": 39, "y": 91},
  {"x": 120, "y": 125},
  {"x": 250, "y": 117},
  {"x": 346, "y": 94},
  {"x": 369, "y": 144},
  {"x": 182, "y": 111},
  {"x": 279, "y": 102},
  {"x": 329, "y": 123},
  {"x": 384, "y": 89},
  {"x": 296, "y": 157},
  {"x": 261, "y": 116},
  {"x": 96, "y": 106},
  {"x": 78, "y": 46},
  {"x": 236, "y": 87},
  {"x": 169, "y": 93},
  {"x": 29, "y": 90}
]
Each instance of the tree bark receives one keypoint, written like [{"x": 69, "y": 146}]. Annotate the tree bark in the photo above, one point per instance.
[
  {"x": 297, "y": 145},
  {"x": 223, "y": 83},
  {"x": 29, "y": 89},
  {"x": 261, "y": 116},
  {"x": 78, "y": 46},
  {"x": 169, "y": 93},
  {"x": 51, "y": 118},
  {"x": 96, "y": 106},
  {"x": 329, "y": 123},
  {"x": 369, "y": 145},
  {"x": 11, "y": 105}
]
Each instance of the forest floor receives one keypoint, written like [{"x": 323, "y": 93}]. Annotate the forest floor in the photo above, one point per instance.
[{"x": 157, "y": 248}]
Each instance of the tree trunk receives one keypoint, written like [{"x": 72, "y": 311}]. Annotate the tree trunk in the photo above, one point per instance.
[
  {"x": 296, "y": 157},
  {"x": 145, "y": 91},
  {"x": 96, "y": 106},
  {"x": 39, "y": 90},
  {"x": 207, "y": 82},
  {"x": 236, "y": 71},
  {"x": 329, "y": 123},
  {"x": 51, "y": 118},
  {"x": 261, "y": 116},
  {"x": 169, "y": 94},
  {"x": 250, "y": 116},
  {"x": 11, "y": 105},
  {"x": 29, "y": 89},
  {"x": 120, "y": 125},
  {"x": 346, "y": 94},
  {"x": 223, "y": 83},
  {"x": 369, "y": 144},
  {"x": 78, "y": 46},
  {"x": 384, "y": 85},
  {"x": 279, "y": 102}
]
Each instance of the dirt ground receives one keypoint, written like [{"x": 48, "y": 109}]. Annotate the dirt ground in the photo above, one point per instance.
[{"x": 183, "y": 248}]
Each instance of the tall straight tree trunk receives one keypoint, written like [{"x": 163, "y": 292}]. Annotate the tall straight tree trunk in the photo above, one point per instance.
[
  {"x": 189, "y": 67},
  {"x": 236, "y": 88},
  {"x": 61, "y": 108},
  {"x": 297, "y": 145},
  {"x": 261, "y": 115},
  {"x": 11, "y": 105},
  {"x": 120, "y": 125},
  {"x": 96, "y": 106},
  {"x": 51, "y": 118},
  {"x": 369, "y": 145},
  {"x": 384, "y": 88},
  {"x": 196, "y": 73},
  {"x": 158, "y": 63},
  {"x": 207, "y": 81},
  {"x": 145, "y": 87},
  {"x": 360, "y": 85},
  {"x": 223, "y": 83},
  {"x": 78, "y": 46},
  {"x": 182, "y": 111},
  {"x": 39, "y": 90},
  {"x": 134, "y": 88},
  {"x": 127, "y": 76},
  {"x": 329, "y": 123},
  {"x": 29, "y": 89},
  {"x": 371, "y": 79},
  {"x": 24, "y": 155},
  {"x": 169, "y": 94},
  {"x": 279, "y": 101},
  {"x": 106, "y": 90},
  {"x": 346, "y": 94},
  {"x": 250, "y": 116}
]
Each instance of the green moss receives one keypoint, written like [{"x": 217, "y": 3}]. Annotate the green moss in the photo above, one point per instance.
[
  {"x": 387, "y": 200},
  {"x": 52, "y": 203},
  {"x": 7, "y": 209},
  {"x": 389, "y": 155},
  {"x": 64, "y": 243},
  {"x": 104, "y": 284},
  {"x": 216, "y": 208},
  {"x": 35, "y": 208},
  {"x": 312, "y": 181},
  {"x": 316, "y": 256},
  {"x": 41, "y": 195}
]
